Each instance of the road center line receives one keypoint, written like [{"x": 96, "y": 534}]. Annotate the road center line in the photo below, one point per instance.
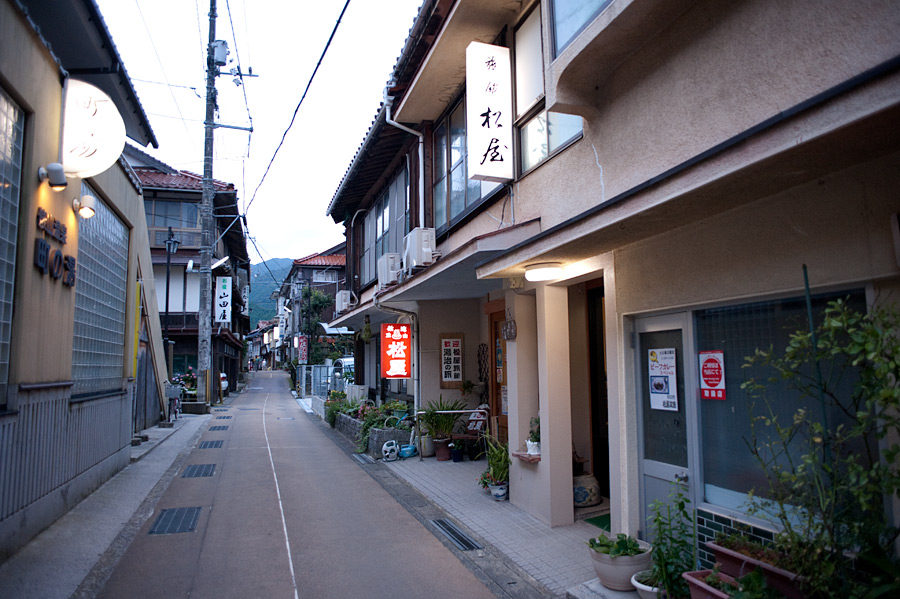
[{"x": 287, "y": 542}]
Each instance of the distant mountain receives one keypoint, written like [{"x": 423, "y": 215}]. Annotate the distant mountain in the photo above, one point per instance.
[{"x": 265, "y": 278}]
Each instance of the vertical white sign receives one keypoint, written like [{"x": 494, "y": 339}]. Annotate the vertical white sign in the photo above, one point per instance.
[
  {"x": 245, "y": 296},
  {"x": 222, "y": 300},
  {"x": 663, "y": 384},
  {"x": 489, "y": 125}
]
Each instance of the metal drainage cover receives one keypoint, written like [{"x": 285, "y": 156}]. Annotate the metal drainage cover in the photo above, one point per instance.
[
  {"x": 220, "y": 409},
  {"x": 248, "y": 409},
  {"x": 363, "y": 458},
  {"x": 218, "y": 428},
  {"x": 211, "y": 444},
  {"x": 254, "y": 388},
  {"x": 223, "y": 417},
  {"x": 463, "y": 541},
  {"x": 285, "y": 418},
  {"x": 199, "y": 471},
  {"x": 171, "y": 521}
]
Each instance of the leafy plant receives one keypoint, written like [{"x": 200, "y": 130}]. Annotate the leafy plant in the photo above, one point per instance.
[
  {"x": 614, "y": 547},
  {"x": 753, "y": 586},
  {"x": 674, "y": 547},
  {"x": 395, "y": 404},
  {"x": 498, "y": 460},
  {"x": 439, "y": 425},
  {"x": 828, "y": 483},
  {"x": 534, "y": 431}
]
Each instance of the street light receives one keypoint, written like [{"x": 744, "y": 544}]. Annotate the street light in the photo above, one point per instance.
[{"x": 171, "y": 248}]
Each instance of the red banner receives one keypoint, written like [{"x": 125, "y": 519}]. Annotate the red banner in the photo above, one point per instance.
[{"x": 396, "y": 351}]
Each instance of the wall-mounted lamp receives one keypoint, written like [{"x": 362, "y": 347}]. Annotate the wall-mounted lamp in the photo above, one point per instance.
[
  {"x": 54, "y": 174},
  {"x": 543, "y": 271},
  {"x": 84, "y": 207},
  {"x": 219, "y": 263}
]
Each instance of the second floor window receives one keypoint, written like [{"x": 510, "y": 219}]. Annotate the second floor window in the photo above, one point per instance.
[
  {"x": 570, "y": 17},
  {"x": 454, "y": 192},
  {"x": 387, "y": 222},
  {"x": 178, "y": 215},
  {"x": 325, "y": 276}
]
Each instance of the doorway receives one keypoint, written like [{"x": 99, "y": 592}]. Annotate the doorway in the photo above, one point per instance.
[
  {"x": 498, "y": 395},
  {"x": 666, "y": 408},
  {"x": 598, "y": 389}
]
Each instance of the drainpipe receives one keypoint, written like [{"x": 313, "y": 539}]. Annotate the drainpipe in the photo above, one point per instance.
[
  {"x": 388, "y": 102},
  {"x": 417, "y": 383}
]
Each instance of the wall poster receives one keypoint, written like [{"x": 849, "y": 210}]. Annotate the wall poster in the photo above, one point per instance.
[
  {"x": 663, "y": 385},
  {"x": 451, "y": 360}
]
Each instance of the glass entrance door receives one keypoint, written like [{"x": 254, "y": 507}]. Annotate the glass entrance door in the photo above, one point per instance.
[{"x": 666, "y": 407}]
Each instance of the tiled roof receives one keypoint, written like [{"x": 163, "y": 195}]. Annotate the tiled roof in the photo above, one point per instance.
[
  {"x": 152, "y": 178},
  {"x": 322, "y": 260}
]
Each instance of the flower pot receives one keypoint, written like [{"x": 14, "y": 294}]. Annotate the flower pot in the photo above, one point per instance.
[
  {"x": 533, "y": 447},
  {"x": 737, "y": 564},
  {"x": 427, "y": 446},
  {"x": 398, "y": 413},
  {"x": 586, "y": 490},
  {"x": 474, "y": 450},
  {"x": 644, "y": 591},
  {"x": 701, "y": 590},
  {"x": 615, "y": 572},
  {"x": 442, "y": 449},
  {"x": 499, "y": 492},
  {"x": 456, "y": 453}
]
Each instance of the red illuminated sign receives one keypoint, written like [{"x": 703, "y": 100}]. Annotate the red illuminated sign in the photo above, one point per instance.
[{"x": 396, "y": 351}]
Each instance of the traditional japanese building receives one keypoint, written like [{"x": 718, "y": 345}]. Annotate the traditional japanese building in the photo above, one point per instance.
[{"x": 670, "y": 172}]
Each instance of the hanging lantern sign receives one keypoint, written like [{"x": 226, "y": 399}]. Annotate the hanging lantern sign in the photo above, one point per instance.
[
  {"x": 93, "y": 131},
  {"x": 396, "y": 351}
]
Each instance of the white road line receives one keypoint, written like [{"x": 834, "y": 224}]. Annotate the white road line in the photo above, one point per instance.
[{"x": 287, "y": 542}]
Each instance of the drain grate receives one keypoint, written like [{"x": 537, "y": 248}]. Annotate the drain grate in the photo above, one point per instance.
[
  {"x": 220, "y": 409},
  {"x": 248, "y": 409},
  {"x": 363, "y": 458},
  {"x": 199, "y": 470},
  {"x": 175, "y": 520},
  {"x": 211, "y": 444},
  {"x": 223, "y": 417},
  {"x": 285, "y": 418},
  {"x": 463, "y": 541},
  {"x": 218, "y": 428}
]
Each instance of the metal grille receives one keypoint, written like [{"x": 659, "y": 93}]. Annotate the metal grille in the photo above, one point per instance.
[
  {"x": 171, "y": 521},
  {"x": 218, "y": 428},
  {"x": 223, "y": 417},
  {"x": 363, "y": 458},
  {"x": 463, "y": 541},
  {"x": 11, "y": 134},
  {"x": 211, "y": 444},
  {"x": 220, "y": 409},
  {"x": 100, "y": 292},
  {"x": 199, "y": 471}
]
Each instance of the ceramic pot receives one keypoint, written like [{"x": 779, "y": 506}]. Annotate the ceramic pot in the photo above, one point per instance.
[
  {"x": 457, "y": 454},
  {"x": 586, "y": 490},
  {"x": 644, "y": 591},
  {"x": 499, "y": 492},
  {"x": 442, "y": 449},
  {"x": 737, "y": 564},
  {"x": 615, "y": 572},
  {"x": 427, "y": 446},
  {"x": 701, "y": 590},
  {"x": 534, "y": 447}
]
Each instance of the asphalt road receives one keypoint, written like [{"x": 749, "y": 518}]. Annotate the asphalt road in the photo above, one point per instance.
[{"x": 286, "y": 513}]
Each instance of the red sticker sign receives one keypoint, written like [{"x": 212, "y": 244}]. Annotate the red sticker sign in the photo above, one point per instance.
[{"x": 712, "y": 374}]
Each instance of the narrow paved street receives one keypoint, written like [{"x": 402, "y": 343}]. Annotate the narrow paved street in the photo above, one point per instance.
[{"x": 280, "y": 511}]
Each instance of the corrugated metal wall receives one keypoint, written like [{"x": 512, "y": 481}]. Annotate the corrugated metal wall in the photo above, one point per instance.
[{"x": 50, "y": 442}]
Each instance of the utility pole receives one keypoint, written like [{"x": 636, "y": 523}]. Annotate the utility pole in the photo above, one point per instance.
[{"x": 204, "y": 316}]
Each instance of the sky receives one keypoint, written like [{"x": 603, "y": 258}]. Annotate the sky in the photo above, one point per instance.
[{"x": 163, "y": 48}]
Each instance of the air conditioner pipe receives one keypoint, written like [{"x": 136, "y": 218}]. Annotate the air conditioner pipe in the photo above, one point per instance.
[{"x": 388, "y": 102}]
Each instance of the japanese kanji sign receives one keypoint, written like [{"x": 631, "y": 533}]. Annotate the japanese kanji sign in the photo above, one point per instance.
[
  {"x": 222, "y": 300},
  {"x": 396, "y": 351},
  {"x": 663, "y": 384},
  {"x": 50, "y": 260},
  {"x": 712, "y": 374},
  {"x": 489, "y": 112},
  {"x": 451, "y": 359},
  {"x": 302, "y": 348}
]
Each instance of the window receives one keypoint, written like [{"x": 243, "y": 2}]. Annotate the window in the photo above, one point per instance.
[
  {"x": 387, "y": 223},
  {"x": 570, "y": 17},
  {"x": 178, "y": 215},
  {"x": 12, "y": 127},
  {"x": 541, "y": 133},
  {"x": 454, "y": 192},
  {"x": 729, "y": 470},
  {"x": 98, "y": 349},
  {"x": 325, "y": 276}
]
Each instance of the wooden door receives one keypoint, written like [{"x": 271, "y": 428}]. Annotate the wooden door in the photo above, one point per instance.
[{"x": 499, "y": 403}]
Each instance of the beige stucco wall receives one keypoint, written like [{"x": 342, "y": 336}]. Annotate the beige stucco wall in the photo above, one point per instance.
[{"x": 458, "y": 316}]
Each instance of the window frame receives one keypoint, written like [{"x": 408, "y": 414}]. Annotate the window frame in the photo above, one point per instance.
[{"x": 557, "y": 47}]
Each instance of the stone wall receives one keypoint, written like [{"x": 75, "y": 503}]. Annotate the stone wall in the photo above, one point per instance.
[{"x": 352, "y": 429}]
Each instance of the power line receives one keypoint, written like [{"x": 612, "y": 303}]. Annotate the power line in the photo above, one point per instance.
[{"x": 297, "y": 109}]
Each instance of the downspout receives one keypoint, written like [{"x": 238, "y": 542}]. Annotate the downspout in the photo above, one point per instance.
[
  {"x": 388, "y": 102},
  {"x": 417, "y": 383}
]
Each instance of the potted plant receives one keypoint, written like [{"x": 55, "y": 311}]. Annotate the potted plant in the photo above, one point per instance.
[
  {"x": 396, "y": 408},
  {"x": 617, "y": 559},
  {"x": 674, "y": 548},
  {"x": 829, "y": 464},
  {"x": 533, "y": 443},
  {"x": 498, "y": 468},
  {"x": 737, "y": 555},
  {"x": 440, "y": 424},
  {"x": 710, "y": 584},
  {"x": 457, "y": 447}
]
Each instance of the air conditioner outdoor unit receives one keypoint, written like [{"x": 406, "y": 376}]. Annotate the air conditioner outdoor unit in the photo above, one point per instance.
[
  {"x": 419, "y": 248},
  {"x": 388, "y": 269},
  {"x": 343, "y": 301}
]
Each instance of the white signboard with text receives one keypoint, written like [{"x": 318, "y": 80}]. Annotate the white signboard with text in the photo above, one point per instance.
[
  {"x": 222, "y": 301},
  {"x": 663, "y": 383},
  {"x": 489, "y": 132}
]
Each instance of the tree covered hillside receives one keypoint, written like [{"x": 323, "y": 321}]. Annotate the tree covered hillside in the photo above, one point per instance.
[{"x": 265, "y": 278}]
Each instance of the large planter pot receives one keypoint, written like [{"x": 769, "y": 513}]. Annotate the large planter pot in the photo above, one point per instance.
[
  {"x": 427, "y": 446},
  {"x": 701, "y": 590},
  {"x": 644, "y": 591},
  {"x": 533, "y": 447},
  {"x": 586, "y": 490},
  {"x": 442, "y": 449},
  {"x": 736, "y": 564},
  {"x": 615, "y": 572},
  {"x": 499, "y": 492}
]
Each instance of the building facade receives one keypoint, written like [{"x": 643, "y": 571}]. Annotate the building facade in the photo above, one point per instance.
[
  {"x": 81, "y": 361},
  {"x": 674, "y": 170}
]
